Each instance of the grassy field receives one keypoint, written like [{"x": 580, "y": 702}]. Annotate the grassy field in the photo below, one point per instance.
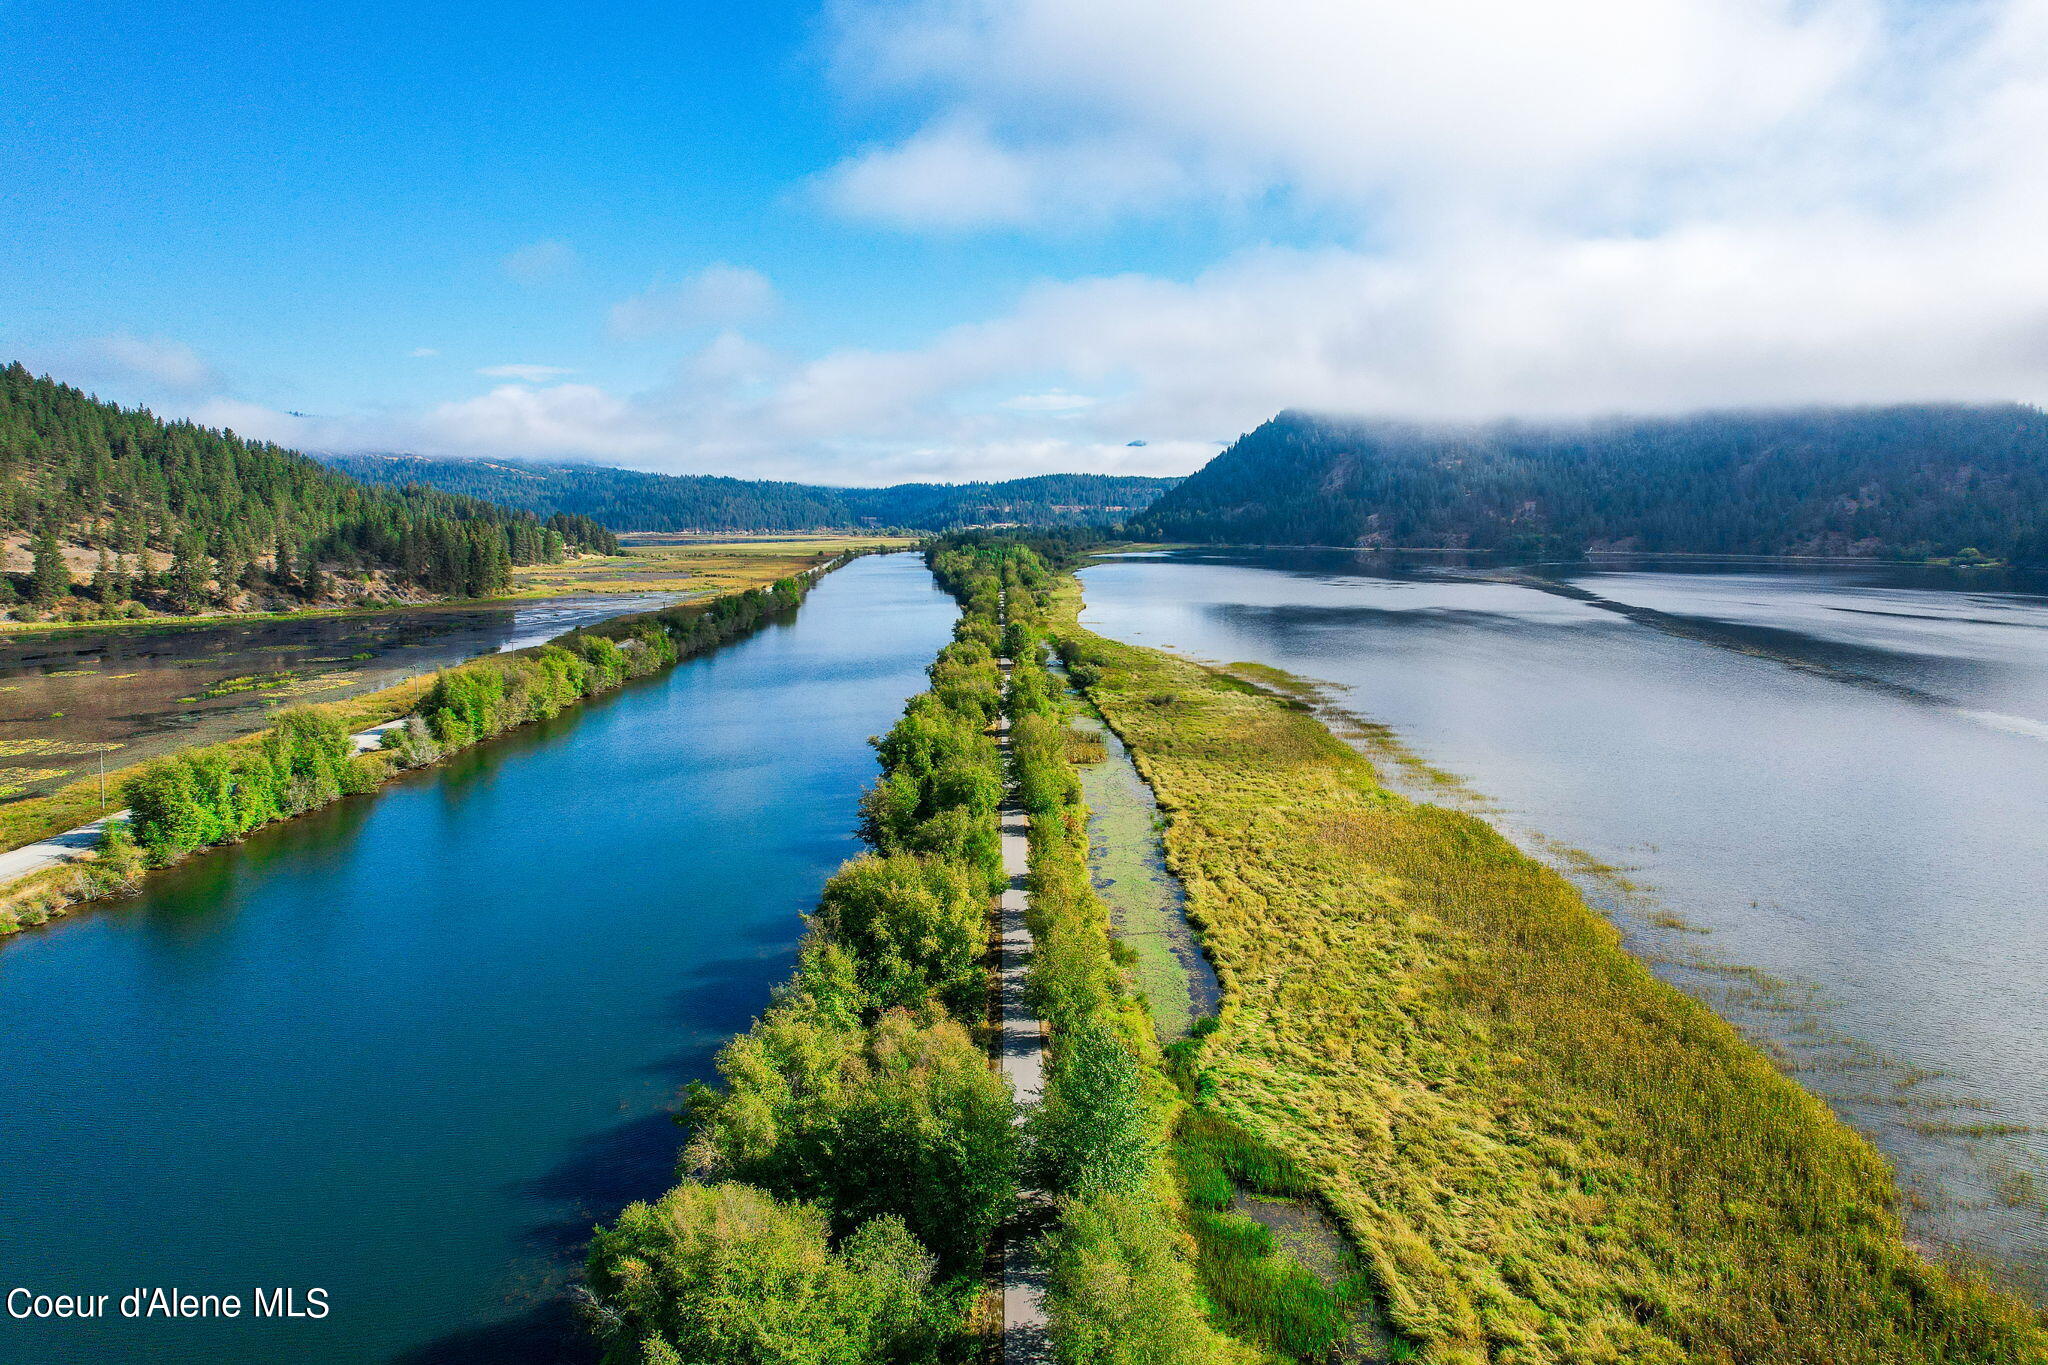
[
  {"x": 1543, "y": 1153},
  {"x": 675, "y": 564}
]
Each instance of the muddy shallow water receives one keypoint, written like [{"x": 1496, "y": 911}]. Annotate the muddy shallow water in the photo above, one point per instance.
[
  {"x": 1146, "y": 904},
  {"x": 70, "y": 699}
]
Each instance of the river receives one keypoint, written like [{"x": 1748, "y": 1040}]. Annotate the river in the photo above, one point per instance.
[
  {"x": 1823, "y": 791},
  {"x": 409, "y": 1049}
]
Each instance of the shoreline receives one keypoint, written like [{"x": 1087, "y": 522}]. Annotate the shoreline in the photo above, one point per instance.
[
  {"x": 1590, "y": 557},
  {"x": 37, "y": 896},
  {"x": 1459, "y": 990}
]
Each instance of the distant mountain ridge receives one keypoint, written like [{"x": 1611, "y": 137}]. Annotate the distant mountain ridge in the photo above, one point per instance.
[
  {"x": 1910, "y": 481},
  {"x": 633, "y": 500}
]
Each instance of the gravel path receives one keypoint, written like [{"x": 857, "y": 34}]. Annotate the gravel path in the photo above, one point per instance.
[{"x": 1023, "y": 1065}]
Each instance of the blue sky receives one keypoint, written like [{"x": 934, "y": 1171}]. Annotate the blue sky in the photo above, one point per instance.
[{"x": 964, "y": 238}]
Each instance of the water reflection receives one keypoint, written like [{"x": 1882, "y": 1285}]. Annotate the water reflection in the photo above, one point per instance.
[
  {"x": 411, "y": 1047},
  {"x": 1827, "y": 770}
]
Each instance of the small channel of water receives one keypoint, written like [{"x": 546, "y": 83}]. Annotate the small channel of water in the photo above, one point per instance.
[
  {"x": 1148, "y": 912},
  {"x": 1146, "y": 904},
  {"x": 410, "y": 1048}
]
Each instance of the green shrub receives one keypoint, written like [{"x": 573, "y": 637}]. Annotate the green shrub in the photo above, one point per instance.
[
  {"x": 1119, "y": 1294},
  {"x": 904, "y": 1119},
  {"x": 914, "y": 926},
  {"x": 1092, "y": 1133},
  {"x": 727, "y": 1273}
]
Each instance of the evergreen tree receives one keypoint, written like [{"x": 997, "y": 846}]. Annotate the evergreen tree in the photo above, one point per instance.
[
  {"x": 187, "y": 578},
  {"x": 122, "y": 479},
  {"x": 49, "y": 576},
  {"x": 1894, "y": 482}
]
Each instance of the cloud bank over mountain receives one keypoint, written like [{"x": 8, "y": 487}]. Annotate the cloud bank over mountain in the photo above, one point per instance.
[{"x": 1590, "y": 206}]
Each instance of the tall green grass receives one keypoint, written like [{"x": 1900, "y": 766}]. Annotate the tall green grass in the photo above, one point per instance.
[{"x": 1544, "y": 1154}]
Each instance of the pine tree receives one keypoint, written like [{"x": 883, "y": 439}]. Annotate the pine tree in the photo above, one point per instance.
[
  {"x": 312, "y": 578},
  {"x": 187, "y": 586},
  {"x": 49, "y": 577}
]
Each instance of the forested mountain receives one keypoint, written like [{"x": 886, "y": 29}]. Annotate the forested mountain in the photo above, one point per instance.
[
  {"x": 181, "y": 517},
  {"x": 630, "y": 500},
  {"x": 1913, "y": 481},
  {"x": 1043, "y": 500}
]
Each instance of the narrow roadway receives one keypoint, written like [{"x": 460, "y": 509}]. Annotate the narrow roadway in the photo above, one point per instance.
[{"x": 1022, "y": 1057}]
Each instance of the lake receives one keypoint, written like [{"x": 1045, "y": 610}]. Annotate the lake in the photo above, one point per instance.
[
  {"x": 1812, "y": 795},
  {"x": 410, "y": 1048}
]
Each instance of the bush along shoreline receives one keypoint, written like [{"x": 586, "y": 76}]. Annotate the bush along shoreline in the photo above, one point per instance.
[
  {"x": 1542, "y": 1154},
  {"x": 843, "y": 1186},
  {"x": 218, "y": 793},
  {"x": 846, "y": 1188}
]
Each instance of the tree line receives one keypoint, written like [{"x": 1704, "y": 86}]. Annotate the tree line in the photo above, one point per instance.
[
  {"x": 634, "y": 500},
  {"x": 1122, "y": 1290},
  {"x": 178, "y": 517},
  {"x": 847, "y": 1178},
  {"x": 1929, "y": 481},
  {"x": 307, "y": 758}
]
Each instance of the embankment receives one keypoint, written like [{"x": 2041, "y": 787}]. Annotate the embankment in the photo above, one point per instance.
[
  {"x": 848, "y": 1179},
  {"x": 218, "y": 793}
]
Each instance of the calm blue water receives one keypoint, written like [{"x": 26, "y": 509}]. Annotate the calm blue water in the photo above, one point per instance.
[
  {"x": 1836, "y": 775},
  {"x": 409, "y": 1049}
]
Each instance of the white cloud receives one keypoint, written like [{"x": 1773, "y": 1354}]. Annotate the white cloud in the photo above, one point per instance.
[
  {"x": 718, "y": 296},
  {"x": 1346, "y": 100},
  {"x": 541, "y": 262},
  {"x": 531, "y": 374},
  {"x": 1055, "y": 400},
  {"x": 953, "y": 175},
  {"x": 1591, "y": 206},
  {"x": 157, "y": 361},
  {"x": 258, "y": 423},
  {"x": 422, "y": 352},
  {"x": 561, "y": 419}
]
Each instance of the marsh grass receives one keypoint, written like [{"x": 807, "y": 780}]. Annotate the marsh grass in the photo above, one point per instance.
[
  {"x": 1543, "y": 1153},
  {"x": 1304, "y": 1302}
]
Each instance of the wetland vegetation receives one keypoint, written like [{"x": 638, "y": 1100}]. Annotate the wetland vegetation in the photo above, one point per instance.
[
  {"x": 1541, "y": 1153},
  {"x": 85, "y": 698}
]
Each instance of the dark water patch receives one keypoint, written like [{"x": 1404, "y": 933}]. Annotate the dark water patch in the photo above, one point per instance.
[{"x": 411, "y": 1047}]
